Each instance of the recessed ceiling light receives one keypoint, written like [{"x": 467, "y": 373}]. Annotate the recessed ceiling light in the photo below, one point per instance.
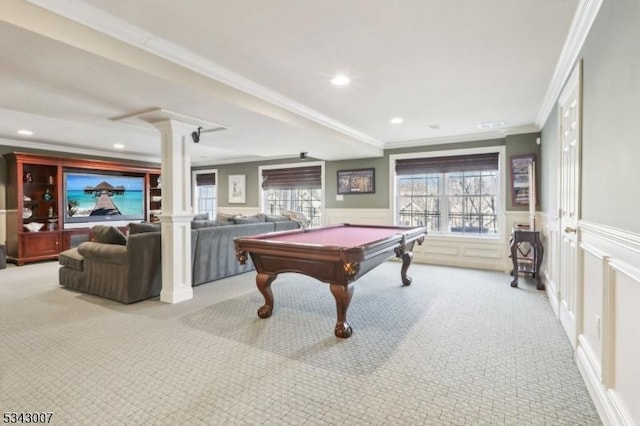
[
  {"x": 396, "y": 120},
  {"x": 25, "y": 132},
  {"x": 340, "y": 80},
  {"x": 118, "y": 146}
]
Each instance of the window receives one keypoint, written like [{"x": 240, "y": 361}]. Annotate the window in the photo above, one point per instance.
[
  {"x": 293, "y": 188},
  {"x": 205, "y": 192},
  {"x": 456, "y": 194}
]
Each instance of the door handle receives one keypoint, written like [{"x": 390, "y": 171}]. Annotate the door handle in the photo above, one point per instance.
[{"x": 569, "y": 229}]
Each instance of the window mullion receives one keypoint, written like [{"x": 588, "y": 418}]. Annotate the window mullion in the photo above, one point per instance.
[{"x": 444, "y": 205}]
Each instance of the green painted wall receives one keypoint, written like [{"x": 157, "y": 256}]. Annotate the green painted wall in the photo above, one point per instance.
[
  {"x": 377, "y": 200},
  {"x": 610, "y": 150},
  {"x": 550, "y": 164},
  {"x": 250, "y": 170},
  {"x": 521, "y": 145},
  {"x": 515, "y": 145}
]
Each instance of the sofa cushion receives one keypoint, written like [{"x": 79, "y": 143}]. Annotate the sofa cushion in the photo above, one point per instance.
[
  {"x": 108, "y": 235},
  {"x": 286, "y": 225},
  {"x": 71, "y": 259},
  {"x": 104, "y": 253},
  {"x": 197, "y": 224},
  {"x": 139, "y": 228},
  {"x": 215, "y": 255}
]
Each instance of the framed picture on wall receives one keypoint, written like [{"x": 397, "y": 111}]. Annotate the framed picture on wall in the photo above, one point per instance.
[
  {"x": 360, "y": 181},
  {"x": 522, "y": 187},
  {"x": 237, "y": 189}
]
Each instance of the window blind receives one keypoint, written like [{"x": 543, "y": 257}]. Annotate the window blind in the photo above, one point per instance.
[
  {"x": 456, "y": 163},
  {"x": 206, "y": 179},
  {"x": 290, "y": 178}
]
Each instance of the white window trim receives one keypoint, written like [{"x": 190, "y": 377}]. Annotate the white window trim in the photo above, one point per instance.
[
  {"x": 292, "y": 166},
  {"x": 194, "y": 193},
  {"x": 502, "y": 177}
]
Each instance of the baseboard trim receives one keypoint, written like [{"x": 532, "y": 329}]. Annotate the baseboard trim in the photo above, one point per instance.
[{"x": 605, "y": 400}]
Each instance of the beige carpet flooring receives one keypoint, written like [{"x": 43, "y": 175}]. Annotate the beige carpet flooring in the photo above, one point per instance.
[{"x": 457, "y": 347}]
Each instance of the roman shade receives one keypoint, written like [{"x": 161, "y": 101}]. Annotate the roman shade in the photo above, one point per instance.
[
  {"x": 291, "y": 178},
  {"x": 205, "y": 179},
  {"x": 456, "y": 163}
]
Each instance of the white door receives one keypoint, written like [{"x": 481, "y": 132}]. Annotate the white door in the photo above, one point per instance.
[{"x": 569, "y": 107}]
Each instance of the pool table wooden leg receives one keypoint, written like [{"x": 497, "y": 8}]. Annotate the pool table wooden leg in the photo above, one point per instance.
[
  {"x": 264, "y": 285},
  {"x": 342, "y": 294},
  {"x": 406, "y": 262}
]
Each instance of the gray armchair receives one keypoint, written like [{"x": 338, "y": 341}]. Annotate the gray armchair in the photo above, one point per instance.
[{"x": 126, "y": 273}]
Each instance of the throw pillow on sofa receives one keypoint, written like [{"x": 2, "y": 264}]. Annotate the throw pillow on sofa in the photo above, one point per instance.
[
  {"x": 108, "y": 235},
  {"x": 256, "y": 218},
  {"x": 239, "y": 220},
  {"x": 139, "y": 228},
  {"x": 223, "y": 217},
  {"x": 201, "y": 216}
]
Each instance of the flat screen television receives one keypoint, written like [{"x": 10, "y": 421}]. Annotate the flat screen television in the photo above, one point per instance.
[{"x": 101, "y": 197}]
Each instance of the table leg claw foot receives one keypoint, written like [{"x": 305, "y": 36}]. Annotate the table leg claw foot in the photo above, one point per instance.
[
  {"x": 265, "y": 311},
  {"x": 343, "y": 330}
]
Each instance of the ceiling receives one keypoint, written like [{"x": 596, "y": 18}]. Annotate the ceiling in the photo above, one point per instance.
[{"x": 78, "y": 73}]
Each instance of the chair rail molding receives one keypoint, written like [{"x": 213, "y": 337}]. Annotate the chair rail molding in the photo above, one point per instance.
[
  {"x": 618, "y": 237},
  {"x": 361, "y": 216}
]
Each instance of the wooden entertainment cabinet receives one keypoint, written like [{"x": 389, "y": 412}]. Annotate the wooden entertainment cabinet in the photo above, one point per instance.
[{"x": 35, "y": 194}]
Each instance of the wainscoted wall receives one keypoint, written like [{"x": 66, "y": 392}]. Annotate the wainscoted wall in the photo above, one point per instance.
[
  {"x": 608, "y": 314},
  {"x": 3, "y": 226},
  {"x": 609, "y": 332},
  {"x": 363, "y": 216},
  {"x": 466, "y": 252},
  {"x": 549, "y": 227}
]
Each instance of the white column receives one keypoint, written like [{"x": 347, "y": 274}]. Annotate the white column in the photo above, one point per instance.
[{"x": 176, "y": 211}]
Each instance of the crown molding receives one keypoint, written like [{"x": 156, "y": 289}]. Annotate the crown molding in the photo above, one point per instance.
[
  {"x": 96, "y": 19},
  {"x": 580, "y": 26},
  {"x": 445, "y": 140},
  {"x": 75, "y": 150},
  {"x": 519, "y": 130},
  {"x": 469, "y": 137}
]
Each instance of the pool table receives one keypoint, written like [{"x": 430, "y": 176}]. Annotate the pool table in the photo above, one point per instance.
[{"x": 337, "y": 254}]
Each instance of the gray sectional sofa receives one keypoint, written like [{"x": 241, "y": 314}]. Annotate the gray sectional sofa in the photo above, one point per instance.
[{"x": 129, "y": 270}]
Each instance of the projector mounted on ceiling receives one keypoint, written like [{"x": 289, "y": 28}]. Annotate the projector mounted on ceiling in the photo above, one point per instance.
[{"x": 196, "y": 135}]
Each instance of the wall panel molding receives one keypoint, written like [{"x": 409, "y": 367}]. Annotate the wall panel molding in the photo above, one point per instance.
[
  {"x": 549, "y": 225},
  {"x": 465, "y": 252},
  {"x": 612, "y": 279},
  {"x": 3, "y": 226},
  {"x": 362, "y": 216}
]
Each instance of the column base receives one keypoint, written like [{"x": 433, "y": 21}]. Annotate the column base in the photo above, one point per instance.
[{"x": 170, "y": 296}]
